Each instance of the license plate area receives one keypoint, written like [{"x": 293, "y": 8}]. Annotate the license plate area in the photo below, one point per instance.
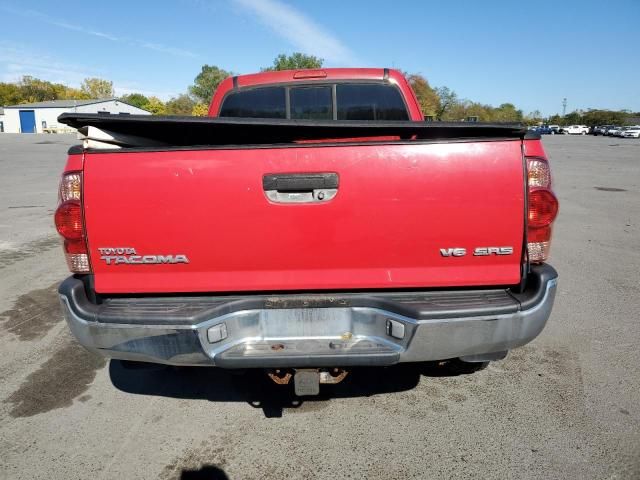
[
  {"x": 306, "y": 323},
  {"x": 294, "y": 334}
]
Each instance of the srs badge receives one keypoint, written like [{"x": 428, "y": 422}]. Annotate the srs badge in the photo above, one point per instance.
[
  {"x": 129, "y": 256},
  {"x": 477, "y": 252}
]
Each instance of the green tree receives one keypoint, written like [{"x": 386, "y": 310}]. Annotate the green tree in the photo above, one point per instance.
[
  {"x": 135, "y": 99},
  {"x": 534, "y": 118},
  {"x": 36, "y": 90},
  {"x": 200, "y": 110},
  {"x": 475, "y": 109},
  {"x": 69, "y": 93},
  {"x": 97, "y": 88},
  {"x": 555, "y": 120},
  {"x": 455, "y": 111},
  {"x": 180, "y": 105},
  {"x": 10, "y": 94},
  {"x": 30, "y": 89},
  {"x": 156, "y": 106},
  {"x": 573, "y": 118},
  {"x": 427, "y": 96},
  {"x": 448, "y": 99},
  {"x": 295, "y": 61},
  {"x": 604, "y": 117},
  {"x": 207, "y": 81},
  {"x": 507, "y": 112},
  {"x": 459, "y": 110}
]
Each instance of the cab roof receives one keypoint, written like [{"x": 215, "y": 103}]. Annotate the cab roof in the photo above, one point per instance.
[{"x": 320, "y": 74}]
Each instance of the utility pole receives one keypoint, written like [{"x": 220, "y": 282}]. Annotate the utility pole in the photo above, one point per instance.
[{"x": 564, "y": 107}]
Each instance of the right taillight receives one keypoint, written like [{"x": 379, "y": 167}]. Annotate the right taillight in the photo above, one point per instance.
[
  {"x": 69, "y": 222},
  {"x": 68, "y": 218},
  {"x": 542, "y": 209}
]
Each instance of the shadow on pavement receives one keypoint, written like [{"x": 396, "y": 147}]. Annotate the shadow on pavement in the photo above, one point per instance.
[
  {"x": 207, "y": 472},
  {"x": 255, "y": 388}
]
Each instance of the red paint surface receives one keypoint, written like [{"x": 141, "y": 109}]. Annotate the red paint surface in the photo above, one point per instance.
[
  {"x": 534, "y": 148},
  {"x": 74, "y": 163},
  {"x": 397, "y": 206}
]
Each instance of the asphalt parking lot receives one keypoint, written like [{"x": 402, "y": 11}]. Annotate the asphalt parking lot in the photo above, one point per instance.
[{"x": 565, "y": 406}]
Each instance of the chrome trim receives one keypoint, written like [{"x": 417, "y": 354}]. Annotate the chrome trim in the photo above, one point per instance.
[
  {"x": 311, "y": 196},
  {"x": 423, "y": 340}
]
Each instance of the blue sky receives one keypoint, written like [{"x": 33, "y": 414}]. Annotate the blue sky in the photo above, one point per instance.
[{"x": 530, "y": 53}]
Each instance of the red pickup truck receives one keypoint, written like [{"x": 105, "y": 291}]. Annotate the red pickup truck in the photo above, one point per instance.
[{"x": 311, "y": 223}]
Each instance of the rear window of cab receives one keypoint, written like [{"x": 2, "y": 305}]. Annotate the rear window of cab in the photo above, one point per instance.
[{"x": 349, "y": 101}]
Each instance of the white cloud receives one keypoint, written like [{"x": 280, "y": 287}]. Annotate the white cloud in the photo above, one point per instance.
[
  {"x": 300, "y": 30},
  {"x": 127, "y": 88},
  {"x": 18, "y": 61},
  {"x": 158, "y": 47},
  {"x": 165, "y": 49},
  {"x": 76, "y": 28}
]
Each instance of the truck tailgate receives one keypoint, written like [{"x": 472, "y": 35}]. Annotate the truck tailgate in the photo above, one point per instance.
[{"x": 398, "y": 208}]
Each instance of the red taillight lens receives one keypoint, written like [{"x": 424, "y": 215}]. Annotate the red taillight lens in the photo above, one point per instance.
[
  {"x": 543, "y": 208},
  {"x": 537, "y": 235},
  {"x": 77, "y": 256},
  {"x": 70, "y": 223},
  {"x": 75, "y": 247},
  {"x": 68, "y": 220}
]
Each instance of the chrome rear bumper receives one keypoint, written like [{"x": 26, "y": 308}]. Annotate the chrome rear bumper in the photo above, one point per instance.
[{"x": 318, "y": 330}]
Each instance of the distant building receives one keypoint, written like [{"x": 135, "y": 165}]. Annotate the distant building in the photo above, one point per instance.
[{"x": 42, "y": 117}]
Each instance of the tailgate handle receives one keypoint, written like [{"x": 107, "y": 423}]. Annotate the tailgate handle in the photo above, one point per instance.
[{"x": 300, "y": 187}]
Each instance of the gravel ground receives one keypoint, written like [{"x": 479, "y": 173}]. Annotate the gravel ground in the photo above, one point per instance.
[{"x": 565, "y": 406}]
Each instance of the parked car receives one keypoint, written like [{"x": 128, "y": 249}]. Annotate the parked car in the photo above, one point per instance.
[
  {"x": 631, "y": 132},
  {"x": 545, "y": 130},
  {"x": 612, "y": 130},
  {"x": 575, "y": 130},
  {"x": 554, "y": 129},
  {"x": 248, "y": 239},
  {"x": 601, "y": 129},
  {"x": 619, "y": 132}
]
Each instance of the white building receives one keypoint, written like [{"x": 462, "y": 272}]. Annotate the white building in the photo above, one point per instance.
[{"x": 42, "y": 117}]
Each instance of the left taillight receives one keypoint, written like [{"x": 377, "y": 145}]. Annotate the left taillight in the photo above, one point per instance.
[{"x": 69, "y": 222}]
